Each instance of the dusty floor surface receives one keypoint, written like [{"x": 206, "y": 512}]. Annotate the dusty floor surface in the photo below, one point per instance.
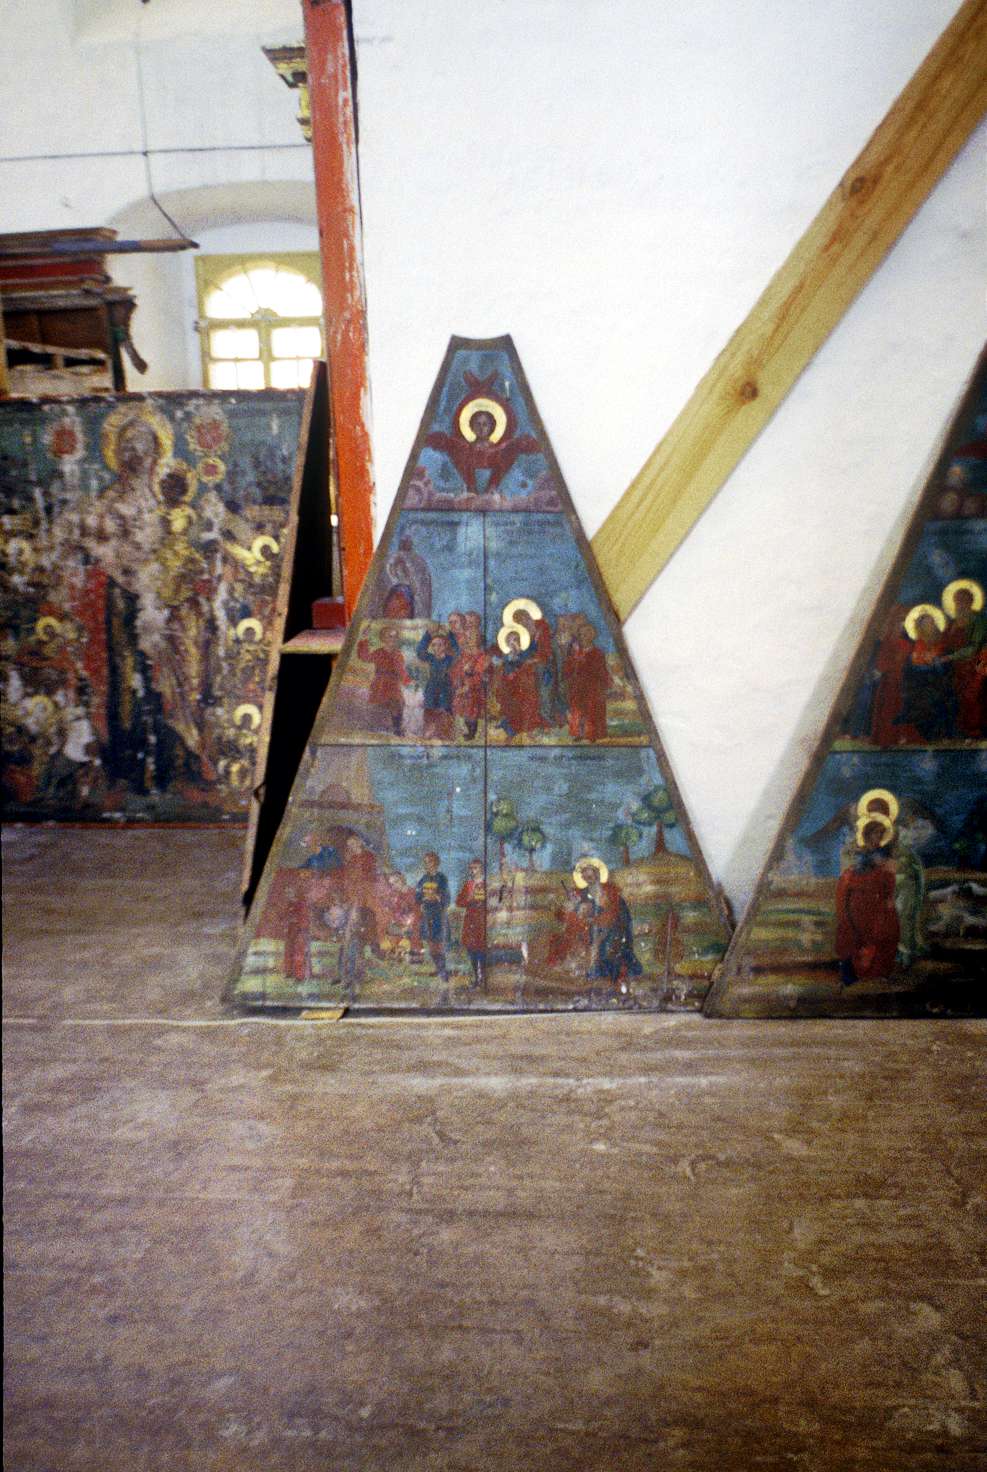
[{"x": 613, "y": 1242}]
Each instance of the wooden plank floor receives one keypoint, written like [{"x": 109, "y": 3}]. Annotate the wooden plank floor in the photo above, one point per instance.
[{"x": 613, "y": 1242}]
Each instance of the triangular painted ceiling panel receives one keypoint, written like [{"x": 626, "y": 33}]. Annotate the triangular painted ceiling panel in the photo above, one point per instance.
[
  {"x": 874, "y": 899},
  {"x": 485, "y": 818}
]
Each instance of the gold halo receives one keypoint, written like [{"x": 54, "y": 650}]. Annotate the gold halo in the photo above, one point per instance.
[
  {"x": 949, "y": 595},
  {"x": 247, "y": 710},
  {"x": 484, "y": 406},
  {"x": 23, "y": 550},
  {"x": 250, "y": 623},
  {"x": 211, "y": 469},
  {"x": 236, "y": 773},
  {"x": 522, "y": 634},
  {"x": 865, "y": 820},
  {"x": 48, "y": 627},
  {"x": 878, "y": 794},
  {"x": 180, "y": 518},
  {"x": 518, "y": 605},
  {"x": 258, "y": 545},
  {"x": 124, "y": 414},
  {"x": 911, "y": 618},
  {"x": 185, "y": 471},
  {"x": 596, "y": 864},
  {"x": 45, "y": 704}
]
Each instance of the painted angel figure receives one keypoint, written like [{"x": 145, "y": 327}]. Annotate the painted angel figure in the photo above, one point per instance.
[{"x": 484, "y": 443}]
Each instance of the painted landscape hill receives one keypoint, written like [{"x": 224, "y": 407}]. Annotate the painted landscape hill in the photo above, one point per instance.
[
  {"x": 485, "y": 818},
  {"x": 874, "y": 899}
]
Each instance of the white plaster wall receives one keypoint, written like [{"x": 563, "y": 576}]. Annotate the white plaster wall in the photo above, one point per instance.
[{"x": 613, "y": 182}]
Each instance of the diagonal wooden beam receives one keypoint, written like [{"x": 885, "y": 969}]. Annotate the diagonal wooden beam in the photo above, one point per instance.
[{"x": 854, "y": 230}]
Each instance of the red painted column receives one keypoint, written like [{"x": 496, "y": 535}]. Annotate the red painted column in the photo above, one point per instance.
[{"x": 344, "y": 295}]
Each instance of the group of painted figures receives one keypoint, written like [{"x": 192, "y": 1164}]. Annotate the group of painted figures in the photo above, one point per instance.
[
  {"x": 342, "y": 892},
  {"x": 930, "y": 675},
  {"x": 540, "y": 680}
]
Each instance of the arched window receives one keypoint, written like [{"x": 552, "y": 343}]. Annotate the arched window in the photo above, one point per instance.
[{"x": 260, "y": 319}]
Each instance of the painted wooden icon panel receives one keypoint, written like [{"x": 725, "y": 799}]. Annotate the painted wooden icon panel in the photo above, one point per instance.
[
  {"x": 140, "y": 553},
  {"x": 486, "y": 819},
  {"x": 874, "y": 901}
]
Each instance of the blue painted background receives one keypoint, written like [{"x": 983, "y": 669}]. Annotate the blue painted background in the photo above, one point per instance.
[
  {"x": 534, "y": 555},
  {"x": 946, "y": 783},
  {"x": 577, "y": 796}
]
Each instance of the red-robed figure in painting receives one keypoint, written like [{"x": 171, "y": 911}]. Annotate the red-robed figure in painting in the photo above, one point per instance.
[
  {"x": 539, "y": 631},
  {"x": 893, "y": 654},
  {"x": 965, "y": 648},
  {"x": 570, "y": 943},
  {"x": 121, "y": 532},
  {"x": 358, "y": 885},
  {"x": 867, "y": 926},
  {"x": 928, "y": 703},
  {"x": 587, "y": 680},
  {"x": 472, "y": 900},
  {"x": 402, "y": 914},
  {"x": 390, "y": 675},
  {"x": 484, "y": 443},
  {"x": 516, "y": 687},
  {"x": 469, "y": 672},
  {"x": 288, "y": 917}
]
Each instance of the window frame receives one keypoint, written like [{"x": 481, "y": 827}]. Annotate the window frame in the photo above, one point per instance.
[{"x": 213, "y": 271}]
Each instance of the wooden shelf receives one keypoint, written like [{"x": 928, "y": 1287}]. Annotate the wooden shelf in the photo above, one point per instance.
[{"x": 315, "y": 641}]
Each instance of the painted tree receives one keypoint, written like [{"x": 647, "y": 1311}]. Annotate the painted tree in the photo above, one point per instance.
[
  {"x": 531, "y": 838},
  {"x": 656, "y": 807},
  {"x": 623, "y": 835},
  {"x": 502, "y": 822}
]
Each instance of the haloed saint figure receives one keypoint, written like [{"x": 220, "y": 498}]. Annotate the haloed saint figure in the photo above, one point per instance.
[
  {"x": 121, "y": 533},
  {"x": 144, "y": 598},
  {"x": 612, "y": 930}
]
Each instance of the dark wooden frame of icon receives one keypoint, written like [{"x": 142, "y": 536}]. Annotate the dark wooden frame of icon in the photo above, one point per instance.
[
  {"x": 300, "y": 659},
  {"x": 266, "y": 855},
  {"x": 718, "y": 998}
]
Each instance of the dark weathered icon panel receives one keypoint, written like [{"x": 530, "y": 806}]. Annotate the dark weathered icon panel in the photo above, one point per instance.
[{"x": 141, "y": 547}]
